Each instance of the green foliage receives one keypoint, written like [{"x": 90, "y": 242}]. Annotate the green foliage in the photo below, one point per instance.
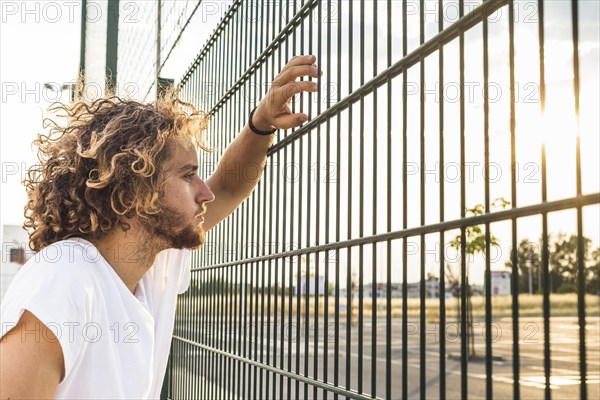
[
  {"x": 567, "y": 288},
  {"x": 563, "y": 270},
  {"x": 593, "y": 281},
  {"x": 475, "y": 238}
]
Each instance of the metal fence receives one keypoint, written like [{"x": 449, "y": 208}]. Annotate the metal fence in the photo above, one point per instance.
[{"x": 305, "y": 291}]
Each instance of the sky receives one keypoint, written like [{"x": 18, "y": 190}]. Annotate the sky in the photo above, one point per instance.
[
  {"x": 38, "y": 47},
  {"x": 557, "y": 129},
  {"x": 40, "y": 44}
]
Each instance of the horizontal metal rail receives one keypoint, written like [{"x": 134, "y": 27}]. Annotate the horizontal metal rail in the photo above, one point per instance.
[
  {"x": 288, "y": 374},
  {"x": 371, "y": 134},
  {"x": 552, "y": 206},
  {"x": 427, "y": 48}
]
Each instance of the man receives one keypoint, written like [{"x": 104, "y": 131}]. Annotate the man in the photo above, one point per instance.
[{"x": 116, "y": 194}]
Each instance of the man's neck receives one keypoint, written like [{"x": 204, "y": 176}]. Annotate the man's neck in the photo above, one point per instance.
[{"x": 129, "y": 253}]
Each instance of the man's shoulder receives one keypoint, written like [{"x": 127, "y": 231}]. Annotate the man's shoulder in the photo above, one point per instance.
[{"x": 69, "y": 257}]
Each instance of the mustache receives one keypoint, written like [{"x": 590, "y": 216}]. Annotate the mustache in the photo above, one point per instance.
[{"x": 202, "y": 210}]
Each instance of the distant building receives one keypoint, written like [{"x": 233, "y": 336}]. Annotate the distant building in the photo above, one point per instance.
[
  {"x": 432, "y": 290},
  {"x": 311, "y": 286},
  {"x": 15, "y": 252},
  {"x": 500, "y": 283}
]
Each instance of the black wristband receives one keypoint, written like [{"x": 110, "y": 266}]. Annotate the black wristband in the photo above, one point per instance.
[{"x": 253, "y": 128}]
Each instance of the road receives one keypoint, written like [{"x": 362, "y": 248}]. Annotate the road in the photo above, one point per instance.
[{"x": 564, "y": 344}]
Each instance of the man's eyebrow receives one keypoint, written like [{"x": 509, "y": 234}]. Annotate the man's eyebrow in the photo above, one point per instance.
[{"x": 190, "y": 167}]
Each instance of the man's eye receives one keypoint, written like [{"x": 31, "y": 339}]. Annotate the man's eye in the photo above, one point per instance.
[{"x": 189, "y": 176}]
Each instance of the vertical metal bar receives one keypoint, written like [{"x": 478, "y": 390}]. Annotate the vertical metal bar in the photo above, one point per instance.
[
  {"x": 514, "y": 258},
  {"x": 388, "y": 280},
  {"x": 255, "y": 50},
  {"x": 241, "y": 339},
  {"x": 308, "y": 214},
  {"x": 219, "y": 338},
  {"x": 327, "y": 187},
  {"x": 318, "y": 214},
  {"x": 112, "y": 40},
  {"x": 226, "y": 342},
  {"x": 233, "y": 281},
  {"x": 545, "y": 255},
  {"x": 254, "y": 253},
  {"x": 273, "y": 248},
  {"x": 463, "y": 262},
  {"x": 261, "y": 195},
  {"x": 283, "y": 261},
  {"x": 422, "y": 327},
  {"x": 580, "y": 239},
  {"x": 242, "y": 28},
  {"x": 208, "y": 328},
  {"x": 229, "y": 78},
  {"x": 262, "y": 294},
  {"x": 210, "y": 332},
  {"x": 336, "y": 351},
  {"x": 199, "y": 325},
  {"x": 442, "y": 375},
  {"x": 404, "y": 211},
  {"x": 158, "y": 39},
  {"x": 267, "y": 21},
  {"x": 194, "y": 290},
  {"x": 349, "y": 287},
  {"x": 279, "y": 246},
  {"x": 299, "y": 233},
  {"x": 218, "y": 238},
  {"x": 169, "y": 377},
  {"x": 188, "y": 306},
  {"x": 291, "y": 219},
  {"x": 245, "y": 296},
  {"x": 361, "y": 200},
  {"x": 214, "y": 292},
  {"x": 374, "y": 229},
  {"x": 488, "y": 277},
  {"x": 83, "y": 40},
  {"x": 300, "y": 216},
  {"x": 204, "y": 282},
  {"x": 283, "y": 232},
  {"x": 220, "y": 70},
  {"x": 361, "y": 274},
  {"x": 219, "y": 329}
]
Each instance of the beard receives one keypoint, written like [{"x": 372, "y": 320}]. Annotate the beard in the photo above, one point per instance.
[{"x": 172, "y": 230}]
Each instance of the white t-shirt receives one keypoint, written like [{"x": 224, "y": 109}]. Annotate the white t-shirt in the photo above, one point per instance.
[{"x": 115, "y": 344}]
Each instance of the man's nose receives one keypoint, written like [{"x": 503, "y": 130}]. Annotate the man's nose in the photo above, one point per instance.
[{"x": 205, "y": 195}]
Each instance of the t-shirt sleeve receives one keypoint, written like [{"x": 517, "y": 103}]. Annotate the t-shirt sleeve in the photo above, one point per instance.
[
  {"x": 174, "y": 265},
  {"x": 56, "y": 293},
  {"x": 186, "y": 273}
]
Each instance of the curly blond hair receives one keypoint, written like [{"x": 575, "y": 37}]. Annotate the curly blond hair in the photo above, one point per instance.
[{"x": 104, "y": 166}]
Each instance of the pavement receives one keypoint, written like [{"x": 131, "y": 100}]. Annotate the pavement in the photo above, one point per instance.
[{"x": 200, "y": 371}]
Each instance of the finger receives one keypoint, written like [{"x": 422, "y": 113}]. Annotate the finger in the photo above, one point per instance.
[
  {"x": 293, "y": 73},
  {"x": 283, "y": 94},
  {"x": 298, "y": 60},
  {"x": 291, "y": 121}
]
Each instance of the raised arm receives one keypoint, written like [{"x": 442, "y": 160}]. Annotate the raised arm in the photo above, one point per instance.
[{"x": 242, "y": 163}]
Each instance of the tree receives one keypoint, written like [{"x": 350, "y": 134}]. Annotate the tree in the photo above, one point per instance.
[
  {"x": 475, "y": 243},
  {"x": 563, "y": 270},
  {"x": 529, "y": 260},
  {"x": 593, "y": 278}
]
